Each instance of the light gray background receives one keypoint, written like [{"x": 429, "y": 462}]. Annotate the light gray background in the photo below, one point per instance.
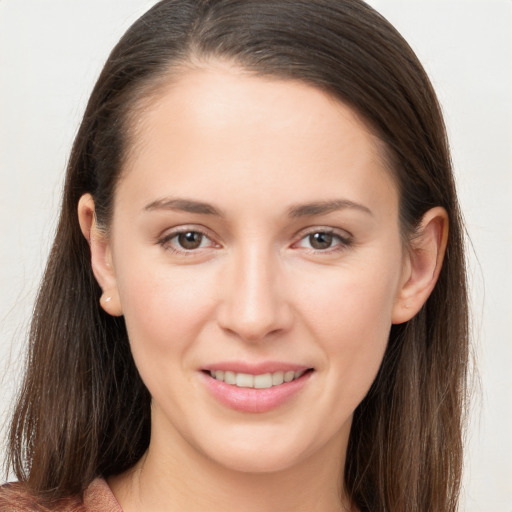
[{"x": 50, "y": 55}]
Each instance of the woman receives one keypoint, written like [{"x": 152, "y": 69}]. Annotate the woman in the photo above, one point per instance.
[{"x": 256, "y": 295}]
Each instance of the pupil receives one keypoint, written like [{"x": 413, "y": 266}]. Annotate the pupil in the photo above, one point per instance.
[
  {"x": 190, "y": 240},
  {"x": 320, "y": 240}
]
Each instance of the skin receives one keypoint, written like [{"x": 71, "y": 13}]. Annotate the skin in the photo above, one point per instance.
[{"x": 255, "y": 289}]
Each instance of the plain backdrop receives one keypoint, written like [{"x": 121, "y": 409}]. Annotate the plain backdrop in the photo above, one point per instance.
[{"x": 51, "y": 52}]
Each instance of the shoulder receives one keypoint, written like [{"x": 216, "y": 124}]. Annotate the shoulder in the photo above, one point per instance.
[
  {"x": 15, "y": 498},
  {"x": 97, "y": 498}
]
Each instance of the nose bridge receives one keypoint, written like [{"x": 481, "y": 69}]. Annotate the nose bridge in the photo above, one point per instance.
[{"x": 254, "y": 304}]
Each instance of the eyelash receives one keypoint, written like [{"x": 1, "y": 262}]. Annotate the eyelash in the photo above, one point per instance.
[
  {"x": 165, "y": 242},
  {"x": 344, "y": 242}
]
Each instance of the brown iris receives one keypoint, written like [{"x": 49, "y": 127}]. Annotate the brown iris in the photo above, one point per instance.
[
  {"x": 320, "y": 240},
  {"x": 190, "y": 240}
]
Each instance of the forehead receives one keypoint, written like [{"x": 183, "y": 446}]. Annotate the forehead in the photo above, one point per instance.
[{"x": 218, "y": 127}]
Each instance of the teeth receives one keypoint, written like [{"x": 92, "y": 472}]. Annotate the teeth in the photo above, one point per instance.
[
  {"x": 289, "y": 376},
  {"x": 229, "y": 377},
  {"x": 244, "y": 380},
  {"x": 262, "y": 381},
  {"x": 277, "y": 378}
]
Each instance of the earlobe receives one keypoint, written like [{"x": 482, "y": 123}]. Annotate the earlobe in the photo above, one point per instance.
[
  {"x": 101, "y": 256},
  {"x": 424, "y": 261}
]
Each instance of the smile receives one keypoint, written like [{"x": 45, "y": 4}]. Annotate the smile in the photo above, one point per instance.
[
  {"x": 262, "y": 390},
  {"x": 261, "y": 381}
]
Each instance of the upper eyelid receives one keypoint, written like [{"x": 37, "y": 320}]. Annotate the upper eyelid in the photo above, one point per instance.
[
  {"x": 172, "y": 232},
  {"x": 342, "y": 233}
]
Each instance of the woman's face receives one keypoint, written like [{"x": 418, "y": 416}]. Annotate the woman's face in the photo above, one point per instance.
[{"x": 255, "y": 238}]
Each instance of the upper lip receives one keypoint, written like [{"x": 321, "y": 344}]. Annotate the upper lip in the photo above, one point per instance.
[{"x": 255, "y": 368}]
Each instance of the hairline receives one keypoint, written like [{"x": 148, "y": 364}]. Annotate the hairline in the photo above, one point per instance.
[{"x": 145, "y": 95}]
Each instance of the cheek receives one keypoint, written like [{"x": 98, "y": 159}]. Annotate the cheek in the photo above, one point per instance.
[
  {"x": 165, "y": 312},
  {"x": 164, "y": 309},
  {"x": 358, "y": 299},
  {"x": 350, "y": 313}
]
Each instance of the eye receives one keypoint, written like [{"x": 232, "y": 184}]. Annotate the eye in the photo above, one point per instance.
[
  {"x": 190, "y": 240},
  {"x": 186, "y": 241},
  {"x": 320, "y": 241},
  {"x": 323, "y": 240}
]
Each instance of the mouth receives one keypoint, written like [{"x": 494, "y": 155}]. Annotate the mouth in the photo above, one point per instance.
[
  {"x": 258, "y": 381},
  {"x": 256, "y": 390}
]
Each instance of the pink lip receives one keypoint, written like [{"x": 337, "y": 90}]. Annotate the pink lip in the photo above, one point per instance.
[
  {"x": 253, "y": 400},
  {"x": 255, "y": 368}
]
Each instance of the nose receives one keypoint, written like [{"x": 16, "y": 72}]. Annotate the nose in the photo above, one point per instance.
[{"x": 254, "y": 305}]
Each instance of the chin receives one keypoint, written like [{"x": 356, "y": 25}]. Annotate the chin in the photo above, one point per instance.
[
  {"x": 259, "y": 454},
  {"x": 269, "y": 461}
]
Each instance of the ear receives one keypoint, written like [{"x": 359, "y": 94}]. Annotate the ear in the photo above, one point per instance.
[
  {"x": 422, "y": 265},
  {"x": 101, "y": 256}
]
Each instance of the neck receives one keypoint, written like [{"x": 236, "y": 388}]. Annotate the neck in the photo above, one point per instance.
[{"x": 186, "y": 480}]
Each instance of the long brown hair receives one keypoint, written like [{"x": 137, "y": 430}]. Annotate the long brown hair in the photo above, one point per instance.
[{"x": 83, "y": 410}]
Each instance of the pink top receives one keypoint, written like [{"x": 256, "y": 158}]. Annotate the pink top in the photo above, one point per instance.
[{"x": 97, "y": 498}]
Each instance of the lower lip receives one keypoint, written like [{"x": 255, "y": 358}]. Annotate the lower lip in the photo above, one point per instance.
[{"x": 255, "y": 400}]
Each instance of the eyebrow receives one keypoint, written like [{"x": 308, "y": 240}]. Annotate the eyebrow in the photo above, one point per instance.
[
  {"x": 325, "y": 207},
  {"x": 296, "y": 211},
  {"x": 184, "y": 205}
]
